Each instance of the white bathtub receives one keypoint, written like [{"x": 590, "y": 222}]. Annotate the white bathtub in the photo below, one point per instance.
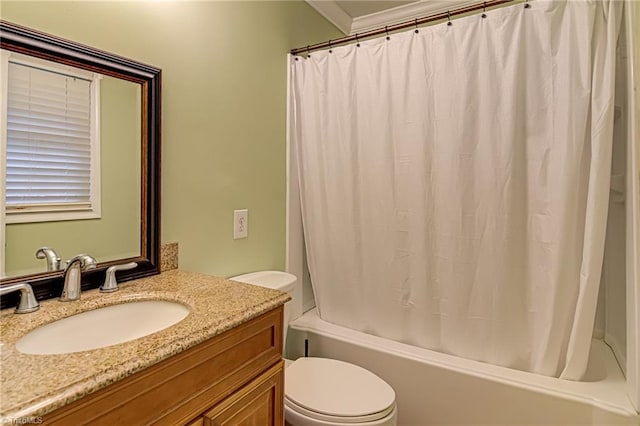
[{"x": 438, "y": 389}]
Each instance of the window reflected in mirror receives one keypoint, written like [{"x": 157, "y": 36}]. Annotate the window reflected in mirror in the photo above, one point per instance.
[{"x": 73, "y": 164}]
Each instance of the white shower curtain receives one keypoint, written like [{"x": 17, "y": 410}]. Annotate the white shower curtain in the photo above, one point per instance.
[{"x": 454, "y": 182}]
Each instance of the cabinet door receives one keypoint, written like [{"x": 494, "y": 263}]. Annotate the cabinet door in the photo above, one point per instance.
[{"x": 259, "y": 403}]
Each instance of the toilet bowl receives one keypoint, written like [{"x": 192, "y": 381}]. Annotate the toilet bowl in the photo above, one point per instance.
[{"x": 327, "y": 392}]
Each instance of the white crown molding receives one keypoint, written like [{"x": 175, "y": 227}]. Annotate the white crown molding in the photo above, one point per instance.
[
  {"x": 404, "y": 13},
  {"x": 333, "y": 13},
  {"x": 348, "y": 25}
]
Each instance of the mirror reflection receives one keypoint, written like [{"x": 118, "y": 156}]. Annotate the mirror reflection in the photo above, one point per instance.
[{"x": 115, "y": 232}]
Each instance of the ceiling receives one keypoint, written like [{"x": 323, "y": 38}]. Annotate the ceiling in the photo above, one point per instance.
[
  {"x": 356, "y": 8},
  {"x": 353, "y": 16}
]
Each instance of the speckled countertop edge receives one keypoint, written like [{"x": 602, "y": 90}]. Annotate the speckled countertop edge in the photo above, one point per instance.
[{"x": 34, "y": 385}]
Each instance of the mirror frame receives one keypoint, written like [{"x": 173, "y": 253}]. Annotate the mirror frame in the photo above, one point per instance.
[{"x": 31, "y": 42}]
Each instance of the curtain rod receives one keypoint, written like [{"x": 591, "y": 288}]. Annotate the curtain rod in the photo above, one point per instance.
[{"x": 402, "y": 25}]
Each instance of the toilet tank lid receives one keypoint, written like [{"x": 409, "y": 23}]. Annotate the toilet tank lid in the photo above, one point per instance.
[{"x": 277, "y": 280}]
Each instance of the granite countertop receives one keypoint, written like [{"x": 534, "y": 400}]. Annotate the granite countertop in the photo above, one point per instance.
[{"x": 34, "y": 385}]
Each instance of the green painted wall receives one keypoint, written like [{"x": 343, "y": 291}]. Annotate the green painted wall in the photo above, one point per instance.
[{"x": 224, "y": 110}]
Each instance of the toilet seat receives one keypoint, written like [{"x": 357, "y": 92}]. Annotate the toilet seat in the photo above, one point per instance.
[
  {"x": 334, "y": 391},
  {"x": 336, "y": 419}
]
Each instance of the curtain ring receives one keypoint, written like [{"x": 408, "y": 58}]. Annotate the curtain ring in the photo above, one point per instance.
[
  {"x": 484, "y": 9},
  {"x": 330, "y": 51},
  {"x": 357, "y": 41},
  {"x": 386, "y": 30},
  {"x": 449, "y": 18},
  {"x": 308, "y": 52},
  {"x": 527, "y": 5},
  {"x": 417, "y": 26}
]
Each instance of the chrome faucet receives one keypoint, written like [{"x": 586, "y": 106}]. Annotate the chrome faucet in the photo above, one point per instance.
[
  {"x": 28, "y": 301},
  {"x": 53, "y": 260},
  {"x": 72, "y": 276}
]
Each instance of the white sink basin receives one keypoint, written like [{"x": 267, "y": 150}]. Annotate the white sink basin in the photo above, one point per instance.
[{"x": 102, "y": 327}]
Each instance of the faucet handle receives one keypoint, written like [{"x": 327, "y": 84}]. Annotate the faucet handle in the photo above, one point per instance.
[
  {"x": 28, "y": 302},
  {"x": 110, "y": 282}
]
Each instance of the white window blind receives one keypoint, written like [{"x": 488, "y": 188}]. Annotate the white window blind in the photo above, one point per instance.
[{"x": 51, "y": 144}]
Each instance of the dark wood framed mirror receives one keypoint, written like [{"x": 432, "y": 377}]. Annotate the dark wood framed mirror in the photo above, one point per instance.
[{"x": 36, "y": 44}]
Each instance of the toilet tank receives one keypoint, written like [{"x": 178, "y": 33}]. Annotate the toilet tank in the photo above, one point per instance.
[{"x": 277, "y": 280}]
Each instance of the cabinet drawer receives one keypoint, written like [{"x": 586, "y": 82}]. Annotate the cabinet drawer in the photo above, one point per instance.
[
  {"x": 180, "y": 388},
  {"x": 258, "y": 404}
]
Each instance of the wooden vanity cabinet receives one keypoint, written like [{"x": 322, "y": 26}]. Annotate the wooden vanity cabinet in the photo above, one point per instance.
[
  {"x": 234, "y": 378},
  {"x": 256, "y": 404}
]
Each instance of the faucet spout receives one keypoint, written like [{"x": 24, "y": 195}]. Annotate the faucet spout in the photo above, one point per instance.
[
  {"x": 72, "y": 276},
  {"x": 53, "y": 260}
]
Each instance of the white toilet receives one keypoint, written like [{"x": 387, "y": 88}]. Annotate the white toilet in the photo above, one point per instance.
[{"x": 328, "y": 392}]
